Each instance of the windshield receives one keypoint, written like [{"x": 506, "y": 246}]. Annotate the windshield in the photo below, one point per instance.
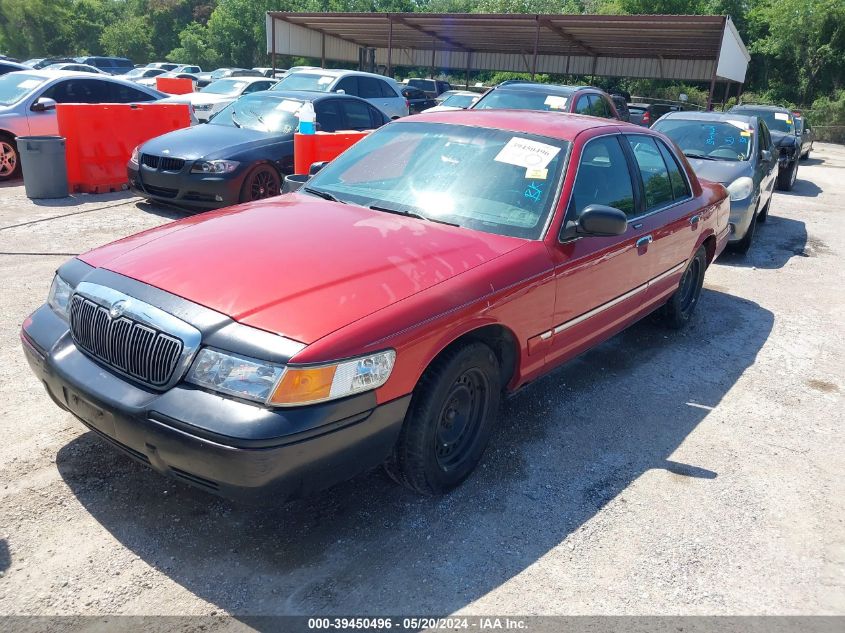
[
  {"x": 460, "y": 101},
  {"x": 221, "y": 72},
  {"x": 226, "y": 87},
  {"x": 521, "y": 100},
  {"x": 262, "y": 113},
  {"x": 482, "y": 179},
  {"x": 15, "y": 86},
  {"x": 305, "y": 81},
  {"x": 777, "y": 121},
  {"x": 719, "y": 140}
]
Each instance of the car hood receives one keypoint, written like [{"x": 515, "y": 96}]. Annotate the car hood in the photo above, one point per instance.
[
  {"x": 778, "y": 138},
  {"x": 296, "y": 265},
  {"x": 722, "y": 171},
  {"x": 209, "y": 141}
]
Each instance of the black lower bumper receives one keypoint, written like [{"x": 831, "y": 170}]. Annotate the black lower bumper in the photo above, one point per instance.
[
  {"x": 297, "y": 452},
  {"x": 201, "y": 191}
]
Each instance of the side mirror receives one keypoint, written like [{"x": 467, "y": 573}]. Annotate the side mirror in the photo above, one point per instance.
[
  {"x": 765, "y": 155},
  {"x": 43, "y": 104},
  {"x": 598, "y": 220},
  {"x": 315, "y": 167},
  {"x": 339, "y": 91}
]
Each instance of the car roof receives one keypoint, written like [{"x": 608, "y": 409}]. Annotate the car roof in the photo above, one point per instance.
[
  {"x": 754, "y": 106},
  {"x": 247, "y": 78},
  {"x": 552, "y": 124},
  {"x": 303, "y": 95},
  {"x": 527, "y": 86},
  {"x": 709, "y": 116},
  {"x": 340, "y": 72}
]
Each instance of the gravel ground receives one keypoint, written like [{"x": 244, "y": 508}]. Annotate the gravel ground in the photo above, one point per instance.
[{"x": 661, "y": 473}]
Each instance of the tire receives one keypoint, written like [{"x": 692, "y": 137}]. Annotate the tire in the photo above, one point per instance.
[
  {"x": 10, "y": 159},
  {"x": 452, "y": 415},
  {"x": 262, "y": 181},
  {"x": 679, "y": 309},
  {"x": 787, "y": 179},
  {"x": 744, "y": 245},
  {"x": 764, "y": 214}
]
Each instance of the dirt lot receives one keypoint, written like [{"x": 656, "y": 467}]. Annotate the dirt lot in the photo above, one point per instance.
[{"x": 663, "y": 473}]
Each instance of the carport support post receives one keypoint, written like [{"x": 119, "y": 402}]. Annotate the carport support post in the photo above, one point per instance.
[
  {"x": 469, "y": 61},
  {"x": 323, "y": 50},
  {"x": 536, "y": 45},
  {"x": 389, "y": 45},
  {"x": 273, "y": 43},
  {"x": 433, "y": 53},
  {"x": 727, "y": 94}
]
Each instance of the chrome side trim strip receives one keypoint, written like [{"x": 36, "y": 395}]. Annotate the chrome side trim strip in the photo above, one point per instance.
[{"x": 606, "y": 306}]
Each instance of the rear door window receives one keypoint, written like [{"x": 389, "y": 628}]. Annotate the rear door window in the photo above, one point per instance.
[
  {"x": 680, "y": 187},
  {"x": 657, "y": 187},
  {"x": 386, "y": 90},
  {"x": 583, "y": 105},
  {"x": 79, "y": 91},
  {"x": 357, "y": 115},
  {"x": 369, "y": 88}
]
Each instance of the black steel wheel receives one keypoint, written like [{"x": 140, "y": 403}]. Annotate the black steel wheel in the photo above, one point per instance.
[
  {"x": 452, "y": 414},
  {"x": 679, "y": 309},
  {"x": 261, "y": 182}
]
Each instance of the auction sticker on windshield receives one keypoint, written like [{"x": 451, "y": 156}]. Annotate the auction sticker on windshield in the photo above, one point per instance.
[
  {"x": 289, "y": 106},
  {"x": 556, "y": 102},
  {"x": 524, "y": 152}
]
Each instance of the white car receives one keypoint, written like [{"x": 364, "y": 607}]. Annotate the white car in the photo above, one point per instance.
[
  {"x": 218, "y": 94},
  {"x": 137, "y": 74},
  {"x": 152, "y": 82},
  {"x": 28, "y": 101},
  {"x": 80, "y": 68},
  {"x": 458, "y": 100},
  {"x": 383, "y": 92}
]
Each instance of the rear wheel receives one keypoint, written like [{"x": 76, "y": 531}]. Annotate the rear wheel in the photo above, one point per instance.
[
  {"x": 679, "y": 309},
  {"x": 452, "y": 414},
  {"x": 10, "y": 164},
  {"x": 261, "y": 182}
]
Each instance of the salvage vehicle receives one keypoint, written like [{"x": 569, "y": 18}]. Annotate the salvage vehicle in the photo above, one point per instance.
[
  {"x": 218, "y": 94},
  {"x": 378, "y": 314},
  {"x": 732, "y": 149},
  {"x": 525, "y": 95},
  {"x": 785, "y": 138},
  {"x": 805, "y": 132},
  {"x": 243, "y": 153},
  {"x": 456, "y": 100}
]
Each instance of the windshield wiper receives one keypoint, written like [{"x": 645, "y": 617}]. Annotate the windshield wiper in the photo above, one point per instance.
[
  {"x": 410, "y": 214},
  {"x": 235, "y": 121},
  {"x": 260, "y": 120},
  {"x": 325, "y": 195},
  {"x": 701, "y": 156}
]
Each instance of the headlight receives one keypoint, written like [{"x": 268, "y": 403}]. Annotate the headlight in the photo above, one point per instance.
[
  {"x": 235, "y": 375},
  {"x": 134, "y": 158},
  {"x": 214, "y": 167},
  {"x": 59, "y": 296},
  {"x": 308, "y": 385},
  {"x": 741, "y": 188}
]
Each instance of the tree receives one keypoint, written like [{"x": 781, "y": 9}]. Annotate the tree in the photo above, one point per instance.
[{"x": 129, "y": 37}]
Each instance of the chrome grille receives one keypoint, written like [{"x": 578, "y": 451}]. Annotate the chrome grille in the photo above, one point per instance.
[{"x": 135, "y": 349}]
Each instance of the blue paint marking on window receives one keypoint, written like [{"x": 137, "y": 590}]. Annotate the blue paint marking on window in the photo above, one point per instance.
[
  {"x": 743, "y": 140},
  {"x": 730, "y": 140},
  {"x": 534, "y": 192},
  {"x": 711, "y": 139}
]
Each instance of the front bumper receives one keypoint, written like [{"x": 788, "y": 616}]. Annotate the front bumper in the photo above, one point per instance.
[
  {"x": 224, "y": 446},
  {"x": 203, "y": 191},
  {"x": 742, "y": 213}
]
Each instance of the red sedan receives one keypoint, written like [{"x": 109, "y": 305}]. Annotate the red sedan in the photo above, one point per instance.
[{"x": 377, "y": 315}]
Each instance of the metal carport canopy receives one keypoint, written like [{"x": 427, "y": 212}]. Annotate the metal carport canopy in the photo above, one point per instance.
[{"x": 673, "y": 47}]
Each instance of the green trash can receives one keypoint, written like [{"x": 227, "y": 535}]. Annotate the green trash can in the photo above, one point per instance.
[{"x": 43, "y": 166}]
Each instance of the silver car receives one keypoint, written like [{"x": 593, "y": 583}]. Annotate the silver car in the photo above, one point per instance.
[
  {"x": 383, "y": 92},
  {"x": 28, "y": 101},
  {"x": 732, "y": 149}
]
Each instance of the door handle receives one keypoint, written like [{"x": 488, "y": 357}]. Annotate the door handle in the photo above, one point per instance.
[
  {"x": 644, "y": 241},
  {"x": 694, "y": 219}
]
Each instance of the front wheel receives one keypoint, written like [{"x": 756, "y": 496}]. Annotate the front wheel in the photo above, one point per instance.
[
  {"x": 679, "y": 309},
  {"x": 786, "y": 178},
  {"x": 10, "y": 164},
  {"x": 261, "y": 182},
  {"x": 452, "y": 414}
]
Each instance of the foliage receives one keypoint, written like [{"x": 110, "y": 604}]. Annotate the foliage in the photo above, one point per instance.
[{"x": 797, "y": 46}]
